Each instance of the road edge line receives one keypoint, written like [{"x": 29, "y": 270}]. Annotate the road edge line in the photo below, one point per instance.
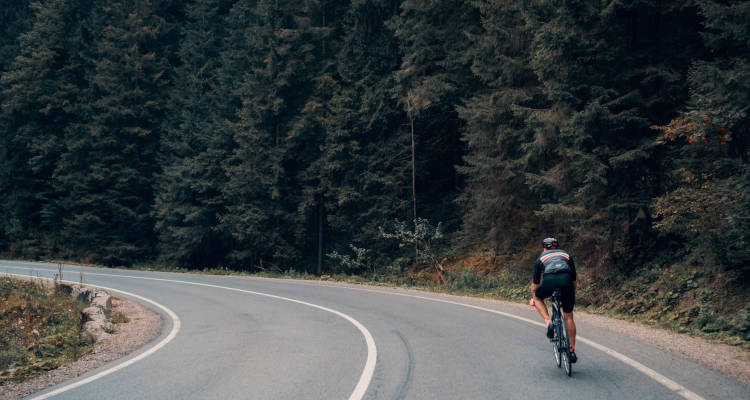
[
  {"x": 176, "y": 324},
  {"x": 372, "y": 353},
  {"x": 668, "y": 383}
]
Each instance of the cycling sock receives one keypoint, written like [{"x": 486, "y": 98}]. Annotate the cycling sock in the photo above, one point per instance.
[{"x": 548, "y": 320}]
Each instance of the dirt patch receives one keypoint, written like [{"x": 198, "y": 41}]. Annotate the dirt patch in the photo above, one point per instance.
[{"x": 142, "y": 327}]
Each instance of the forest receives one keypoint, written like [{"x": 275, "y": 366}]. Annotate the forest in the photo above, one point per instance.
[{"x": 363, "y": 136}]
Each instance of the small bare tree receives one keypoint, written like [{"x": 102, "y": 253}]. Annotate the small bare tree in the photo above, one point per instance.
[
  {"x": 360, "y": 262},
  {"x": 427, "y": 237}
]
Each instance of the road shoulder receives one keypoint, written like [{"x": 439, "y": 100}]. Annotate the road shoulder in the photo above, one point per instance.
[{"x": 143, "y": 326}]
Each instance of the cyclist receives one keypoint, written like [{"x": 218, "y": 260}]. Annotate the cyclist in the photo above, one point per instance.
[{"x": 555, "y": 269}]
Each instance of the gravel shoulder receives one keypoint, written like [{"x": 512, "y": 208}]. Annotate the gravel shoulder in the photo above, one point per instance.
[
  {"x": 143, "y": 326},
  {"x": 731, "y": 361}
]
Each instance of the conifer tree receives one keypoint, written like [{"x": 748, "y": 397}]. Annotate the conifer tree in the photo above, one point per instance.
[
  {"x": 433, "y": 78},
  {"x": 497, "y": 134},
  {"x": 361, "y": 174},
  {"x": 14, "y": 20},
  {"x": 106, "y": 173},
  {"x": 708, "y": 181},
  {"x": 40, "y": 91},
  {"x": 194, "y": 144},
  {"x": 603, "y": 75},
  {"x": 277, "y": 40},
  {"x": 314, "y": 122}
]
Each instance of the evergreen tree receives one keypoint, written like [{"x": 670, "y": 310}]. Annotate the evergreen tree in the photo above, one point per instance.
[
  {"x": 14, "y": 20},
  {"x": 194, "y": 145},
  {"x": 41, "y": 89},
  {"x": 361, "y": 175},
  {"x": 603, "y": 75},
  {"x": 273, "y": 89},
  {"x": 106, "y": 173},
  {"x": 708, "y": 181},
  {"x": 305, "y": 144},
  {"x": 432, "y": 80},
  {"x": 496, "y": 199}
]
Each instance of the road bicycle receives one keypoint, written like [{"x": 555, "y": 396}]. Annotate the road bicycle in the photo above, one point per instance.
[{"x": 560, "y": 340}]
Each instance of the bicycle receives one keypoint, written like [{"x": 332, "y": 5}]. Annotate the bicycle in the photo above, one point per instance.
[{"x": 560, "y": 340}]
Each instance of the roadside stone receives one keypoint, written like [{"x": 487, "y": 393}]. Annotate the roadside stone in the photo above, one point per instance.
[{"x": 95, "y": 316}]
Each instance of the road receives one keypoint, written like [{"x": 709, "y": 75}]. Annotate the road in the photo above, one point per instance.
[{"x": 244, "y": 338}]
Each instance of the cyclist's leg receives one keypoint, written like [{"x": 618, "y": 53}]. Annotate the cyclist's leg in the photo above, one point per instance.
[
  {"x": 542, "y": 291},
  {"x": 571, "y": 324},
  {"x": 568, "y": 303}
]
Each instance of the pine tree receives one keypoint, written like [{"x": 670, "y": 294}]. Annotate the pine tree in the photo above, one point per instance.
[
  {"x": 433, "y": 78},
  {"x": 705, "y": 206},
  {"x": 194, "y": 145},
  {"x": 106, "y": 172},
  {"x": 14, "y": 20},
  {"x": 314, "y": 123},
  {"x": 41, "y": 88},
  {"x": 563, "y": 129},
  {"x": 496, "y": 199},
  {"x": 361, "y": 175},
  {"x": 273, "y": 89}
]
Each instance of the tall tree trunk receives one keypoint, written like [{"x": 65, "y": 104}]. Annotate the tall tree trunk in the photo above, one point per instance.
[
  {"x": 414, "y": 188},
  {"x": 320, "y": 235}
]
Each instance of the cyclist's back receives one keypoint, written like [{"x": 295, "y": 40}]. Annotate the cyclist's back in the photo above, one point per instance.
[{"x": 554, "y": 268}]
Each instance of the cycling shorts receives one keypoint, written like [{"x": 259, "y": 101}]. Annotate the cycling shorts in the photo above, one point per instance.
[{"x": 564, "y": 281}]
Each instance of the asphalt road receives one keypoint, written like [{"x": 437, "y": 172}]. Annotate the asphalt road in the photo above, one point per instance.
[{"x": 240, "y": 338}]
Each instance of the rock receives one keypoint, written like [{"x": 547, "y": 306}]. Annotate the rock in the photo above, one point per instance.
[
  {"x": 102, "y": 299},
  {"x": 95, "y": 316}
]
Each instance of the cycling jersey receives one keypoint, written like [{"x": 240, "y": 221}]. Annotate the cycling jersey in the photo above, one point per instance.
[{"x": 554, "y": 261}]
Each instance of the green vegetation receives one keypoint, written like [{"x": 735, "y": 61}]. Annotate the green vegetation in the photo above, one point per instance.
[
  {"x": 40, "y": 329},
  {"x": 265, "y": 136},
  {"x": 117, "y": 318}
]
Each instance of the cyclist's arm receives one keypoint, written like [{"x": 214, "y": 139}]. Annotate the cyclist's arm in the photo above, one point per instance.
[{"x": 538, "y": 266}]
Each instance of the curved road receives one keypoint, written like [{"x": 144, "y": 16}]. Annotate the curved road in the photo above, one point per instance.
[{"x": 240, "y": 338}]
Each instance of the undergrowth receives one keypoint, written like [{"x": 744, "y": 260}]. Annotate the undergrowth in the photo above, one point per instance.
[{"x": 40, "y": 329}]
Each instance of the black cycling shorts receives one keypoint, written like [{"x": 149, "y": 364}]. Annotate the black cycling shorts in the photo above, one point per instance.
[{"x": 563, "y": 281}]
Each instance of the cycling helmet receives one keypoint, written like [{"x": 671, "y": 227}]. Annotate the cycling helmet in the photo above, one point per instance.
[{"x": 549, "y": 243}]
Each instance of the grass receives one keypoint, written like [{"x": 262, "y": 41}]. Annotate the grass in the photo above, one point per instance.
[
  {"x": 117, "y": 318},
  {"x": 40, "y": 329}
]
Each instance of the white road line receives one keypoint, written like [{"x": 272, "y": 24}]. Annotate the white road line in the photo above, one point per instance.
[
  {"x": 372, "y": 352},
  {"x": 670, "y": 384},
  {"x": 175, "y": 329}
]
